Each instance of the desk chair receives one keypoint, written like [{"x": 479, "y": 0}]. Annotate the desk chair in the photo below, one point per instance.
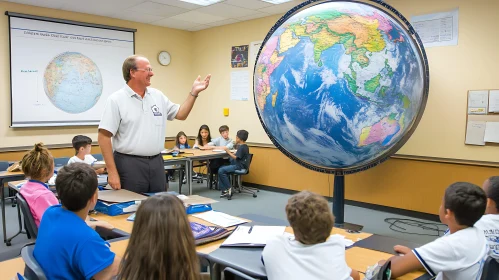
[
  {"x": 238, "y": 176},
  {"x": 58, "y": 162},
  {"x": 4, "y": 165},
  {"x": 32, "y": 270},
  {"x": 490, "y": 269},
  {"x": 98, "y": 157},
  {"x": 232, "y": 274},
  {"x": 29, "y": 222}
]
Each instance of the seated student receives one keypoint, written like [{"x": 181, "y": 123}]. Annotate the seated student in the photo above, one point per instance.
[
  {"x": 489, "y": 223},
  {"x": 66, "y": 247},
  {"x": 219, "y": 143},
  {"x": 238, "y": 161},
  {"x": 203, "y": 138},
  {"x": 181, "y": 141},
  {"x": 161, "y": 245},
  {"x": 83, "y": 148},
  {"x": 38, "y": 166},
  {"x": 180, "y": 144},
  {"x": 458, "y": 255},
  {"x": 313, "y": 253}
]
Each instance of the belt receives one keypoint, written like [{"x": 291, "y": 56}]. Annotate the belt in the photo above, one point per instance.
[{"x": 144, "y": 157}]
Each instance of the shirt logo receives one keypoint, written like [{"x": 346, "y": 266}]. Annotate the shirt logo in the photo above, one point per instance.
[{"x": 155, "y": 111}]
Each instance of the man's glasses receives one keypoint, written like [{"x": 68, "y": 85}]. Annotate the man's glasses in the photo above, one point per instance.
[{"x": 144, "y": 69}]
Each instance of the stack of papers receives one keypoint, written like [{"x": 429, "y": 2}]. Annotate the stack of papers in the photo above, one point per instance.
[
  {"x": 220, "y": 219},
  {"x": 254, "y": 236}
]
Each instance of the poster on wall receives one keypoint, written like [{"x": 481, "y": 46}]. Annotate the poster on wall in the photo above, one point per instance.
[
  {"x": 439, "y": 29},
  {"x": 239, "y": 56},
  {"x": 254, "y": 48}
]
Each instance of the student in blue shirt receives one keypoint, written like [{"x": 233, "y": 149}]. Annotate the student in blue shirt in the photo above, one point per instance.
[{"x": 66, "y": 247}]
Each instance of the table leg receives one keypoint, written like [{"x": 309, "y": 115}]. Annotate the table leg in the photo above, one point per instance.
[
  {"x": 3, "y": 213},
  {"x": 188, "y": 175},
  {"x": 215, "y": 273}
]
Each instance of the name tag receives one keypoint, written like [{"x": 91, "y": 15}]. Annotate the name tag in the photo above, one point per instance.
[{"x": 155, "y": 111}]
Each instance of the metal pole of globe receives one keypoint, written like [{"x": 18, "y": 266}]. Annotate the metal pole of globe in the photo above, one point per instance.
[{"x": 339, "y": 200}]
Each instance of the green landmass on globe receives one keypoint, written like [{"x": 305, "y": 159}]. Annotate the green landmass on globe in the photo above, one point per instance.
[
  {"x": 72, "y": 82},
  {"x": 338, "y": 84}
]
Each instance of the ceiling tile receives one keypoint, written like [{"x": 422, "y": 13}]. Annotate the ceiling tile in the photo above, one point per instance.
[
  {"x": 281, "y": 8},
  {"x": 98, "y": 7},
  {"x": 197, "y": 17},
  {"x": 227, "y": 11},
  {"x": 136, "y": 16},
  {"x": 157, "y": 9},
  {"x": 173, "y": 23},
  {"x": 199, "y": 27},
  {"x": 249, "y": 4},
  {"x": 178, "y": 3},
  {"x": 54, "y": 4},
  {"x": 259, "y": 15},
  {"x": 223, "y": 22}
]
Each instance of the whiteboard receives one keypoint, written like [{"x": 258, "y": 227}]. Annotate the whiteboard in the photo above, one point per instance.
[{"x": 62, "y": 73}]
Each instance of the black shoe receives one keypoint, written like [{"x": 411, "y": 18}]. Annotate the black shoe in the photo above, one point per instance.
[{"x": 224, "y": 194}]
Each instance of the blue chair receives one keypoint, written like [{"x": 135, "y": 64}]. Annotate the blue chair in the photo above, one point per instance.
[
  {"x": 32, "y": 270},
  {"x": 58, "y": 162},
  {"x": 232, "y": 274},
  {"x": 490, "y": 269},
  {"x": 4, "y": 165},
  {"x": 98, "y": 157}
]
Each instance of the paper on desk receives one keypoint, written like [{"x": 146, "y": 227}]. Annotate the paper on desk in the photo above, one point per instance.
[
  {"x": 492, "y": 132},
  {"x": 119, "y": 196},
  {"x": 219, "y": 219},
  {"x": 258, "y": 236},
  {"x": 475, "y": 133},
  {"x": 347, "y": 242}
]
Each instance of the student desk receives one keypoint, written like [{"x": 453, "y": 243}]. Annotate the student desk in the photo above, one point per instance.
[
  {"x": 357, "y": 258},
  {"x": 6, "y": 176},
  {"x": 191, "y": 155}
]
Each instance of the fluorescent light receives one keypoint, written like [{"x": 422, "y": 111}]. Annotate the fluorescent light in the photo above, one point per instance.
[
  {"x": 276, "y": 2},
  {"x": 202, "y": 2}
]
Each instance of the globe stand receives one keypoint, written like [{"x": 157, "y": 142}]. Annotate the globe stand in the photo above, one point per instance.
[{"x": 339, "y": 205}]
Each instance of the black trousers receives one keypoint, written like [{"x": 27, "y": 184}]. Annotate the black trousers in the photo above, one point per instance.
[{"x": 141, "y": 174}]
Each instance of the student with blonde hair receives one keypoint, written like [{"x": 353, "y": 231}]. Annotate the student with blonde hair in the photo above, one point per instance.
[{"x": 38, "y": 166}]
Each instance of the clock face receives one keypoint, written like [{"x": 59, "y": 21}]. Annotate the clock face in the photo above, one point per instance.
[{"x": 164, "y": 58}]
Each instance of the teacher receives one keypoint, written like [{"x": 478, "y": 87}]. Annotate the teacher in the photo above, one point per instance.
[{"x": 134, "y": 124}]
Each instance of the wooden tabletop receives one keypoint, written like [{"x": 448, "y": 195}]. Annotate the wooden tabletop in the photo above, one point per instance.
[
  {"x": 5, "y": 174},
  {"x": 357, "y": 258}
]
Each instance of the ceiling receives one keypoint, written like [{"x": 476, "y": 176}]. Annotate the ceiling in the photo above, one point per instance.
[{"x": 170, "y": 13}]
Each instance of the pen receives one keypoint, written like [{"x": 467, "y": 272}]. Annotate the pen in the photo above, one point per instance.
[{"x": 251, "y": 228}]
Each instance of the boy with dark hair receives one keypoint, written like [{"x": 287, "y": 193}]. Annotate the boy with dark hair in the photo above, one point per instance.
[
  {"x": 459, "y": 255},
  {"x": 313, "y": 253},
  {"x": 489, "y": 223},
  {"x": 83, "y": 148},
  {"x": 238, "y": 161},
  {"x": 66, "y": 247}
]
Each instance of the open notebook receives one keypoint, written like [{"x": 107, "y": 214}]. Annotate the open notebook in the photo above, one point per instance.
[{"x": 252, "y": 236}]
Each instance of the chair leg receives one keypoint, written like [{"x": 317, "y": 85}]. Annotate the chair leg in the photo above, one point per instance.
[{"x": 244, "y": 189}]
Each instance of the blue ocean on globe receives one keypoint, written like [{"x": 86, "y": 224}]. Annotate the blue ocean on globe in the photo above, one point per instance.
[
  {"x": 339, "y": 85},
  {"x": 73, "y": 82}
]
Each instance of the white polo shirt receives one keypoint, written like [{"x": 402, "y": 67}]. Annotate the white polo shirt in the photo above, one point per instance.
[
  {"x": 286, "y": 258},
  {"x": 457, "y": 256},
  {"x": 138, "y": 124}
]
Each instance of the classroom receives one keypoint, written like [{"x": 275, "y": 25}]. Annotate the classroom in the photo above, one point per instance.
[{"x": 201, "y": 74}]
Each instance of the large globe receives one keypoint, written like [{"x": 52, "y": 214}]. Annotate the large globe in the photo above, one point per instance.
[
  {"x": 340, "y": 85},
  {"x": 72, "y": 82}
]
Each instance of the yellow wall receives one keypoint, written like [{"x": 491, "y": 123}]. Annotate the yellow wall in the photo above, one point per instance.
[
  {"x": 453, "y": 71},
  {"x": 174, "y": 80}
]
